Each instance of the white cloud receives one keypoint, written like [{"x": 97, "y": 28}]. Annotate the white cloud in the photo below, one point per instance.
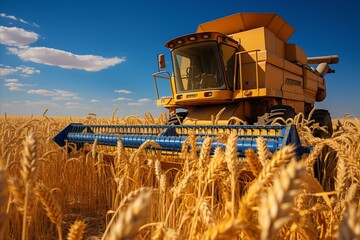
[
  {"x": 75, "y": 105},
  {"x": 8, "y": 16},
  {"x": 11, "y": 80},
  {"x": 7, "y": 70},
  {"x": 41, "y": 103},
  {"x": 14, "y": 86},
  {"x": 135, "y": 104},
  {"x": 55, "y": 94},
  {"x": 41, "y": 92},
  {"x": 72, "y": 103},
  {"x": 16, "y": 19},
  {"x": 123, "y": 91},
  {"x": 14, "y": 36},
  {"x": 28, "y": 70},
  {"x": 60, "y": 58},
  {"x": 144, "y": 100},
  {"x": 21, "y": 70},
  {"x": 94, "y": 101},
  {"x": 122, "y": 99},
  {"x": 140, "y": 102}
]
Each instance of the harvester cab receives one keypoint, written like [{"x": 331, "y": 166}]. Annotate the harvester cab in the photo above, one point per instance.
[{"x": 241, "y": 67}]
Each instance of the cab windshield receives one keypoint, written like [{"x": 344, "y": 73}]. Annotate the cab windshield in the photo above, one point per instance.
[{"x": 196, "y": 67}]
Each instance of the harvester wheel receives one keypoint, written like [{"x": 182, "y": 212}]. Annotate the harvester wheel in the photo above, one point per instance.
[
  {"x": 325, "y": 166},
  {"x": 323, "y": 118},
  {"x": 177, "y": 118},
  {"x": 279, "y": 112}
]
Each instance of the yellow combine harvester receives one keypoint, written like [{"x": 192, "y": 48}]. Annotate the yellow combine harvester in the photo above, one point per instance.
[
  {"x": 243, "y": 67},
  {"x": 237, "y": 69}
]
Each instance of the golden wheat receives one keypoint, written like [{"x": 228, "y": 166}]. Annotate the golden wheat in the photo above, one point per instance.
[{"x": 194, "y": 195}]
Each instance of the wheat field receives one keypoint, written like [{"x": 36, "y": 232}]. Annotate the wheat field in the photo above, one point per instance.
[{"x": 114, "y": 193}]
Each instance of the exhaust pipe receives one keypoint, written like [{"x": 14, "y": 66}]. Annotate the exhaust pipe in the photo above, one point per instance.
[{"x": 333, "y": 59}]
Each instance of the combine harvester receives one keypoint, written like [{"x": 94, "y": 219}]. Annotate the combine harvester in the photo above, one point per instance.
[{"x": 233, "y": 71}]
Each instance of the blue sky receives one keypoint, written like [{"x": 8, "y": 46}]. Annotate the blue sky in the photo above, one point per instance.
[{"x": 80, "y": 57}]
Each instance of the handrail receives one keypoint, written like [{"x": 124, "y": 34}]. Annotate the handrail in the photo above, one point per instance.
[{"x": 158, "y": 75}]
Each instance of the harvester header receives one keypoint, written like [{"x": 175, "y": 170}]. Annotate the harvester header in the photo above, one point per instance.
[{"x": 172, "y": 138}]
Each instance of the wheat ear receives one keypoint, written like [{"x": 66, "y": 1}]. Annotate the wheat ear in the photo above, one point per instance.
[
  {"x": 341, "y": 178},
  {"x": 206, "y": 213},
  {"x": 263, "y": 151},
  {"x": 177, "y": 190},
  {"x": 126, "y": 200},
  {"x": 16, "y": 188},
  {"x": 76, "y": 231},
  {"x": 28, "y": 172},
  {"x": 216, "y": 166},
  {"x": 51, "y": 207},
  {"x": 205, "y": 151},
  {"x": 224, "y": 230},
  {"x": 251, "y": 198},
  {"x": 280, "y": 158},
  {"x": 162, "y": 232},
  {"x": 253, "y": 161},
  {"x": 29, "y": 160},
  {"x": 129, "y": 222},
  {"x": 276, "y": 207}
]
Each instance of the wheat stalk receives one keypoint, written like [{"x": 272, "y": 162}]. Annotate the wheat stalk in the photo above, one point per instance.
[
  {"x": 350, "y": 226},
  {"x": 3, "y": 203},
  {"x": 231, "y": 160}
]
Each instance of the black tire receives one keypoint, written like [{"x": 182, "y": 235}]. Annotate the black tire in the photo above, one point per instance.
[
  {"x": 324, "y": 169},
  {"x": 177, "y": 118},
  {"x": 323, "y": 118},
  {"x": 279, "y": 111}
]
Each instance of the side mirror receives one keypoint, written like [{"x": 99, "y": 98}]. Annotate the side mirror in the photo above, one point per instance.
[{"x": 161, "y": 61}]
